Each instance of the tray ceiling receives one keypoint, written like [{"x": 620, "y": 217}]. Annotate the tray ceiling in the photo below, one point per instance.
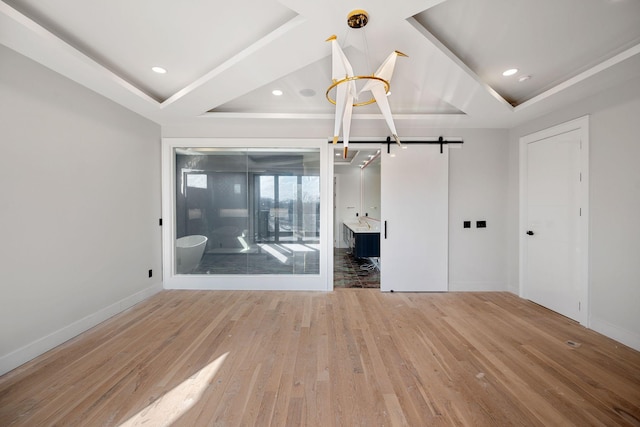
[{"x": 223, "y": 60}]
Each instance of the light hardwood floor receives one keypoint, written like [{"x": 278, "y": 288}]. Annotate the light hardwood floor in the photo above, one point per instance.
[{"x": 353, "y": 357}]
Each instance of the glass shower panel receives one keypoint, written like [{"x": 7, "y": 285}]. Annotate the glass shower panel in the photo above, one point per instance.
[
  {"x": 310, "y": 208},
  {"x": 247, "y": 211},
  {"x": 287, "y": 208},
  {"x": 212, "y": 212},
  {"x": 266, "y": 221}
]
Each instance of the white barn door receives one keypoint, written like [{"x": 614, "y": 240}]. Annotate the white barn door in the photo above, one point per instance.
[{"x": 415, "y": 219}]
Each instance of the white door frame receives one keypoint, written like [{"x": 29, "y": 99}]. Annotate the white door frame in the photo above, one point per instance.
[{"x": 581, "y": 124}]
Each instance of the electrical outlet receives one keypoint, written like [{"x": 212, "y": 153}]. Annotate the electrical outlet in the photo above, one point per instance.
[
  {"x": 466, "y": 224},
  {"x": 481, "y": 224},
  {"x": 150, "y": 273}
]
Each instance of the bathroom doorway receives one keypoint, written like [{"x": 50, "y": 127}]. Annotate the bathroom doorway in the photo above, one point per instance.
[
  {"x": 409, "y": 213},
  {"x": 356, "y": 205}
]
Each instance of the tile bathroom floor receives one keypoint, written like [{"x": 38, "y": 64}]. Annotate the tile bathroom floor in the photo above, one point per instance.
[
  {"x": 258, "y": 262},
  {"x": 348, "y": 271}
]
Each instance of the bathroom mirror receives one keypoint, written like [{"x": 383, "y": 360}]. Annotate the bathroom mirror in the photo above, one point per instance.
[
  {"x": 370, "y": 179},
  {"x": 362, "y": 163}
]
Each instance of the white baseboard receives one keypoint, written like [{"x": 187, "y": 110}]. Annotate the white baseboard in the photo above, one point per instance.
[
  {"x": 30, "y": 351},
  {"x": 628, "y": 338},
  {"x": 477, "y": 287}
]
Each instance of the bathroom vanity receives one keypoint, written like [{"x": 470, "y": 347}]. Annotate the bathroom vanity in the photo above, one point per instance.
[{"x": 363, "y": 238}]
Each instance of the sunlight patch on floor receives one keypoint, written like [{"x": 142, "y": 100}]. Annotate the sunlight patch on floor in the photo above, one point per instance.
[
  {"x": 273, "y": 252},
  {"x": 167, "y": 409}
]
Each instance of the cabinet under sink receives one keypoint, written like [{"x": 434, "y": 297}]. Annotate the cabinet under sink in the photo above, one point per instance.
[{"x": 363, "y": 240}]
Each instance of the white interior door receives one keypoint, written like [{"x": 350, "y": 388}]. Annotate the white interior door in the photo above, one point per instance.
[
  {"x": 415, "y": 216},
  {"x": 553, "y": 239}
]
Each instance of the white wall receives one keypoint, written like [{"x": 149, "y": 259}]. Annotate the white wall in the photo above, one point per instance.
[
  {"x": 478, "y": 188},
  {"x": 614, "y": 265},
  {"x": 79, "y": 209}
]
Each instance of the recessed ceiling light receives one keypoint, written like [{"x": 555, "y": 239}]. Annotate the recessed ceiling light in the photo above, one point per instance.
[
  {"x": 338, "y": 154},
  {"x": 523, "y": 78},
  {"x": 277, "y": 92},
  {"x": 159, "y": 70},
  {"x": 307, "y": 92},
  {"x": 510, "y": 72}
]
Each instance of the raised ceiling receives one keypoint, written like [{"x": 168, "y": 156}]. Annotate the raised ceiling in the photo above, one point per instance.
[
  {"x": 225, "y": 58},
  {"x": 548, "y": 41}
]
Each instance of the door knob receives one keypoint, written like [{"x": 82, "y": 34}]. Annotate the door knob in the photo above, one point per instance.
[{"x": 530, "y": 233}]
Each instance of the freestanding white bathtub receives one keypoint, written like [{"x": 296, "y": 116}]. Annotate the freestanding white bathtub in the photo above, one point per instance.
[{"x": 189, "y": 251}]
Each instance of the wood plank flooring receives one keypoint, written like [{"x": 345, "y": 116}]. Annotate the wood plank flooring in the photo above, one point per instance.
[{"x": 345, "y": 358}]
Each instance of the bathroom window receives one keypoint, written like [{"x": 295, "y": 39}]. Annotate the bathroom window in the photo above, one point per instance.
[
  {"x": 247, "y": 211},
  {"x": 197, "y": 180}
]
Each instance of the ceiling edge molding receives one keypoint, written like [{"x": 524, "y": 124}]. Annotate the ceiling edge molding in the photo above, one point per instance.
[
  {"x": 453, "y": 57},
  {"x": 325, "y": 116},
  {"x": 622, "y": 56},
  {"x": 412, "y": 8},
  {"x": 234, "y": 60},
  {"x": 25, "y": 36}
]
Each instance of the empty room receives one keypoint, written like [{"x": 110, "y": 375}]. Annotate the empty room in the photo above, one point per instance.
[{"x": 286, "y": 213}]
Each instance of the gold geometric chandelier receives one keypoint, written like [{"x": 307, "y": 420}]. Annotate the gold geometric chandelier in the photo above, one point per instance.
[{"x": 344, "y": 84}]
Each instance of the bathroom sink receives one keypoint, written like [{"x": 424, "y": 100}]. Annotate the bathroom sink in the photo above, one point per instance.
[{"x": 361, "y": 228}]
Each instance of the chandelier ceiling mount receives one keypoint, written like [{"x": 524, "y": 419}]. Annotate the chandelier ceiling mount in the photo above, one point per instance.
[{"x": 357, "y": 18}]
